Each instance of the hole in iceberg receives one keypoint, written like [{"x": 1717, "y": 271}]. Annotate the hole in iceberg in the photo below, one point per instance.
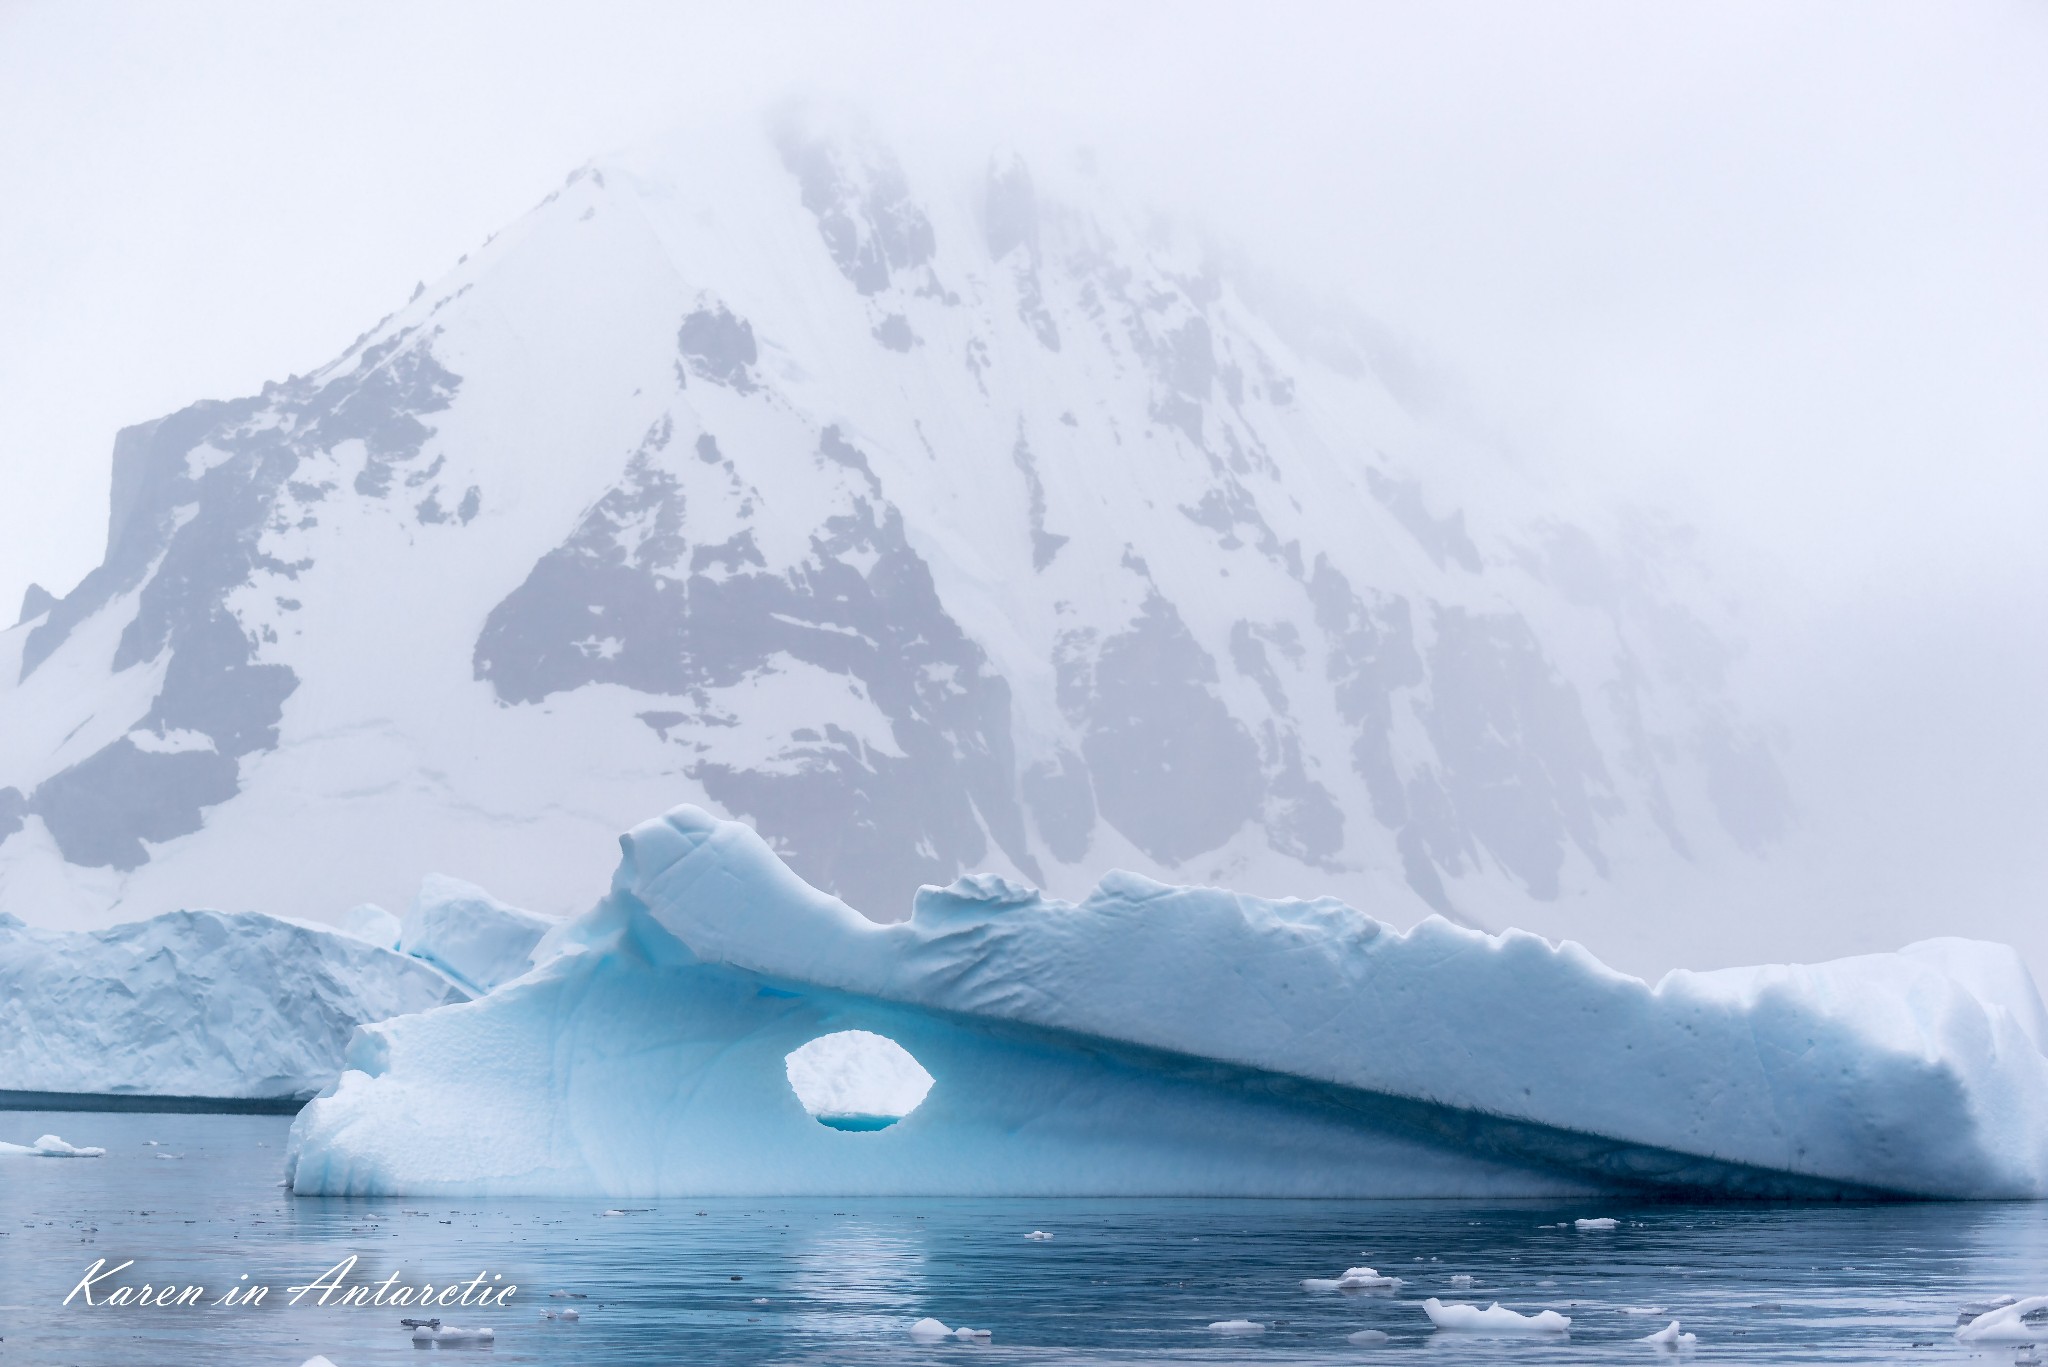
[{"x": 856, "y": 1080}]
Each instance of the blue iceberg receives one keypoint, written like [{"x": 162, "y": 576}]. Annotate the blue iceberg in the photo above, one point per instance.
[{"x": 1155, "y": 1040}]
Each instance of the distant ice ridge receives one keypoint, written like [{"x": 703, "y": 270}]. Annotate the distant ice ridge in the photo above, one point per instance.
[
  {"x": 194, "y": 1004},
  {"x": 1167, "y": 1040},
  {"x": 468, "y": 934}
]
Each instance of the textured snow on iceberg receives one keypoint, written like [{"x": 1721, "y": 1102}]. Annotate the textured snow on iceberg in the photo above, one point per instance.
[
  {"x": 229, "y": 1006},
  {"x": 1170, "y": 1040}
]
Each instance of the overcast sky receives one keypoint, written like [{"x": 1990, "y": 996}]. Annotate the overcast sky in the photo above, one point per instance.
[{"x": 1777, "y": 266}]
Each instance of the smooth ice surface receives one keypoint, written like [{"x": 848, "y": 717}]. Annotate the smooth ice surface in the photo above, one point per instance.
[
  {"x": 1165, "y": 1040},
  {"x": 195, "y": 1004},
  {"x": 470, "y": 935},
  {"x": 1494, "y": 1319}
]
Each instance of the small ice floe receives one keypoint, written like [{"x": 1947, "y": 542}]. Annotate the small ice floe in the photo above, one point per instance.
[
  {"x": 318, "y": 1360},
  {"x": 565, "y": 1315},
  {"x": 50, "y": 1146},
  {"x": 1495, "y": 1319},
  {"x": 1603, "y": 1222},
  {"x": 609, "y": 1214},
  {"x": 1237, "y": 1327},
  {"x": 157, "y": 1144},
  {"x": 568, "y": 1296},
  {"x": 1972, "y": 1309},
  {"x": 439, "y": 1335},
  {"x": 167, "y": 1157},
  {"x": 1670, "y": 1336},
  {"x": 1368, "y": 1338},
  {"x": 1354, "y": 1279},
  {"x": 1642, "y": 1309},
  {"x": 2006, "y": 1324},
  {"x": 929, "y": 1330},
  {"x": 1038, "y": 1234},
  {"x": 1461, "y": 1279}
]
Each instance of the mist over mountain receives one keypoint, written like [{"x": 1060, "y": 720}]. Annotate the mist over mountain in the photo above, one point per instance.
[{"x": 930, "y": 517}]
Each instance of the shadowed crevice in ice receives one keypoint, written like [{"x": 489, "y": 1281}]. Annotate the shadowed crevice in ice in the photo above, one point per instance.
[{"x": 1157, "y": 1041}]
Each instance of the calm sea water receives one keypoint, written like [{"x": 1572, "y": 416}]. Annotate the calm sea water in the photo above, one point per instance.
[{"x": 841, "y": 1281}]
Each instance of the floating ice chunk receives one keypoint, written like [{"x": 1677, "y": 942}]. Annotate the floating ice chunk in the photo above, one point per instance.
[
  {"x": 966, "y": 1335},
  {"x": 1461, "y": 1279},
  {"x": 568, "y": 1295},
  {"x": 1642, "y": 1309},
  {"x": 50, "y": 1146},
  {"x": 1038, "y": 1234},
  {"x": 449, "y": 1336},
  {"x": 1237, "y": 1327},
  {"x": 1367, "y": 1338},
  {"x": 1670, "y": 1337},
  {"x": 1495, "y": 1319},
  {"x": 1354, "y": 1279},
  {"x": 2006, "y": 1324},
  {"x": 1973, "y": 1309},
  {"x": 318, "y": 1360},
  {"x": 1603, "y": 1222},
  {"x": 930, "y": 1330}
]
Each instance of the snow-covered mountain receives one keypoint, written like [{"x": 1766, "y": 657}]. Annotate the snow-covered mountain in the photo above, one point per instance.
[{"x": 927, "y": 520}]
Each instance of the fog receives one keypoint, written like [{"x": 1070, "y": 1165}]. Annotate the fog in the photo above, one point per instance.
[{"x": 1777, "y": 268}]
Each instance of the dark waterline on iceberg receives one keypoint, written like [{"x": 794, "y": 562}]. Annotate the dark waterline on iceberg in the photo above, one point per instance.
[
  {"x": 841, "y": 1281},
  {"x": 153, "y": 1105}
]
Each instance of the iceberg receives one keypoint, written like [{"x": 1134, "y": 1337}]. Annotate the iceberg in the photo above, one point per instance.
[
  {"x": 194, "y": 1005},
  {"x": 470, "y": 935},
  {"x": 1160, "y": 1040}
]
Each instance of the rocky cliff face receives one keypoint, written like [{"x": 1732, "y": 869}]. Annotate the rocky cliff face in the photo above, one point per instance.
[{"x": 927, "y": 522}]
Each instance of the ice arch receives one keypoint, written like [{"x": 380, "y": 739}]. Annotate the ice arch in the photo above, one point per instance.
[{"x": 1172, "y": 1041}]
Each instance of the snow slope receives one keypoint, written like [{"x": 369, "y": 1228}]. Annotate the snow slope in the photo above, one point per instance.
[
  {"x": 1157, "y": 1040},
  {"x": 194, "y": 1004},
  {"x": 928, "y": 517}
]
